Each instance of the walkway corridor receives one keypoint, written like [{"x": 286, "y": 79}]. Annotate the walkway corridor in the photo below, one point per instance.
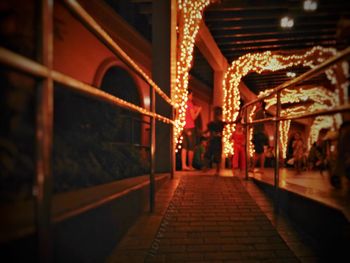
[{"x": 208, "y": 219}]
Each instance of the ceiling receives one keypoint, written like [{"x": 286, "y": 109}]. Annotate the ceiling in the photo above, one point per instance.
[{"x": 249, "y": 26}]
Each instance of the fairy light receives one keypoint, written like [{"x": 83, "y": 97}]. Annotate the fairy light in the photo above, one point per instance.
[
  {"x": 322, "y": 99},
  {"x": 287, "y": 22},
  {"x": 267, "y": 61},
  {"x": 320, "y": 122},
  {"x": 190, "y": 15},
  {"x": 250, "y": 143},
  {"x": 139, "y": 109},
  {"x": 310, "y": 5},
  {"x": 317, "y": 94},
  {"x": 284, "y": 130}
]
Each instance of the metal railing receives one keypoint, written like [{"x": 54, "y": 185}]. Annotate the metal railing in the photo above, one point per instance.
[
  {"x": 277, "y": 118},
  {"x": 44, "y": 115}
]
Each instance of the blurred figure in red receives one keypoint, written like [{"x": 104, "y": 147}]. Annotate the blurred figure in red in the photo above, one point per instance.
[
  {"x": 238, "y": 157},
  {"x": 189, "y": 133}
]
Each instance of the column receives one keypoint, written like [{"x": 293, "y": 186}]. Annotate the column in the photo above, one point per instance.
[{"x": 163, "y": 73}]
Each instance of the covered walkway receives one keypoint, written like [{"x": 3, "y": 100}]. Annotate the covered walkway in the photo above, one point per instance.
[
  {"x": 90, "y": 132},
  {"x": 205, "y": 218}
]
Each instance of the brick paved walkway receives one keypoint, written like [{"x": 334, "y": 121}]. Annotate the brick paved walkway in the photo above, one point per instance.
[{"x": 210, "y": 219}]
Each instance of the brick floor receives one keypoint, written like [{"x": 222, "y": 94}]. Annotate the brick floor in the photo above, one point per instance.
[
  {"x": 208, "y": 219},
  {"x": 214, "y": 219}
]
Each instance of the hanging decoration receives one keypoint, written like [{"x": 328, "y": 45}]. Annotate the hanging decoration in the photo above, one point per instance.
[
  {"x": 251, "y": 149},
  {"x": 267, "y": 61},
  {"x": 189, "y": 18},
  {"x": 321, "y": 99},
  {"x": 284, "y": 130}
]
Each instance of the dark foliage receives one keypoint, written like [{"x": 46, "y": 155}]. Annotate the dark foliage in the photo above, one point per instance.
[
  {"x": 92, "y": 143},
  {"x": 17, "y": 135}
]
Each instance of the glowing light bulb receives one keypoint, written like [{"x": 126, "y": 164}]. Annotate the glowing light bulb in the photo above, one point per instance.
[
  {"x": 287, "y": 22},
  {"x": 260, "y": 62},
  {"x": 310, "y": 5},
  {"x": 190, "y": 16}
]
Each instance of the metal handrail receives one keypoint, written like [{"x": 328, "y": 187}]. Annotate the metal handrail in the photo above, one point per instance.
[
  {"x": 277, "y": 118},
  {"x": 29, "y": 66},
  {"x": 97, "y": 203},
  {"x": 96, "y": 29},
  {"x": 334, "y": 110},
  {"x": 44, "y": 114}
]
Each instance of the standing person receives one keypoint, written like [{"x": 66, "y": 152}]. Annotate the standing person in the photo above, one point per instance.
[
  {"x": 214, "y": 148},
  {"x": 317, "y": 155},
  {"x": 260, "y": 139},
  {"x": 238, "y": 158},
  {"x": 189, "y": 133},
  {"x": 298, "y": 152}
]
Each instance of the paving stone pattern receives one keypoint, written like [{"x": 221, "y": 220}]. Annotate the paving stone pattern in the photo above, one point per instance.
[{"x": 214, "y": 219}]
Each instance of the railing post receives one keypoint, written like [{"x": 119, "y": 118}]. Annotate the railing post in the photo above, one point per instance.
[
  {"x": 173, "y": 61},
  {"x": 246, "y": 143},
  {"x": 277, "y": 155},
  {"x": 132, "y": 120},
  {"x": 172, "y": 148},
  {"x": 44, "y": 127},
  {"x": 152, "y": 153}
]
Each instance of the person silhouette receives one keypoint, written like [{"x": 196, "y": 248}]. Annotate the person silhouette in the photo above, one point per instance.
[{"x": 189, "y": 133}]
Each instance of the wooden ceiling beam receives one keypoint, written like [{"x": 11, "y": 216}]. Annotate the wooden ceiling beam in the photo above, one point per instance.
[
  {"x": 280, "y": 46},
  {"x": 244, "y": 5},
  {"x": 283, "y": 33},
  {"x": 276, "y": 78},
  {"x": 268, "y": 27},
  {"x": 268, "y": 24},
  {"x": 279, "y": 50},
  {"x": 142, "y": 1},
  {"x": 270, "y": 15},
  {"x": 278, "y": 40}
]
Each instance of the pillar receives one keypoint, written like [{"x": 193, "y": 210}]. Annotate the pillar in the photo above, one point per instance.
[
  {"x": 163, "y": 73},
  {"x": 218, "y": 93}
]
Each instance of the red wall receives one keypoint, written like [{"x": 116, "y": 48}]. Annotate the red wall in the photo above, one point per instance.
[{"x": 79, "y": 54}]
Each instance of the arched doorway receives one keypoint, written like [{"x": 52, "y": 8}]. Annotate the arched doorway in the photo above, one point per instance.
[{"x": 118, "y": 82}]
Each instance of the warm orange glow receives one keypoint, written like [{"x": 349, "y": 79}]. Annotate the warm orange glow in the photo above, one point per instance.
[
  {"x": 322, "y": 99},
  {"x": 266, "y": 61},
  {"x": 190, "y": 16}
]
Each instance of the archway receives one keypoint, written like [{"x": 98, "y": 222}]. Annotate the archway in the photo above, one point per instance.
[
  {"x": 267, "y": 61},
  {"x": 118, "y": 82}
]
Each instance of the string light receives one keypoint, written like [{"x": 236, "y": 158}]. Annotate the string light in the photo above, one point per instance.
[
  {"x": 250, "y": 143},
  {"x": 284, "y": 130},
  {"x": 317, "y": 94},
  {"x": 267, "y": 61},
  {"x": 190, "y": 16},
  {"x": 123, "y": 103},
  {"x": 287, "y": 22},
  {"x": 320, "y": 122},
  {"x": 322, "y": 99}
]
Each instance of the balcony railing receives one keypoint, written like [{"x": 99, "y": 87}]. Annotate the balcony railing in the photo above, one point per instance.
[{"x": 44, "y": 113}]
